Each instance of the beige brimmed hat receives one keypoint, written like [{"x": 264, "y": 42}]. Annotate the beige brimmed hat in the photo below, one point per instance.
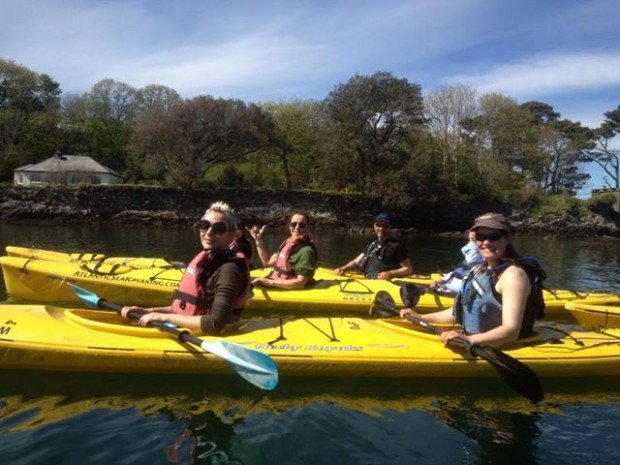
[{"x": 491, "y": 221}]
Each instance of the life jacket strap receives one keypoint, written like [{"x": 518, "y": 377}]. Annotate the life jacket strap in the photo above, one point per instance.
[
  {"x": 277, "y": 269},
  {"x": 190, "y": 299}
]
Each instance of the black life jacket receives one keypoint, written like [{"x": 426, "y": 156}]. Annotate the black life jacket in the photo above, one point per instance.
[{"x": 373, "y": 262}]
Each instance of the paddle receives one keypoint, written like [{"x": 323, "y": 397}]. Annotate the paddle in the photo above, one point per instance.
[
  {"x": 423, "y": 288},
  {"x": 252, "y": 365},
  {"x": 516, "y": 374}
]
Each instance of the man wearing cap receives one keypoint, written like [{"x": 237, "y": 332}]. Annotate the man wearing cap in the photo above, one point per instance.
[{"x": 384, "y": 258}]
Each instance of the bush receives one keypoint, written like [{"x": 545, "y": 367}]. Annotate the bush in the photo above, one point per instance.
[
  {"x": 599, "y": 203},
  {"x": 527, "y": 199},
  {"x": 559, "y": 204},
  {"x": 230, "y": 176}
]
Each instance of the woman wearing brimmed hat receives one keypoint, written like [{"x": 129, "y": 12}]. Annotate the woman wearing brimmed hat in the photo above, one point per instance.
[{"x": 501, "y": 298}]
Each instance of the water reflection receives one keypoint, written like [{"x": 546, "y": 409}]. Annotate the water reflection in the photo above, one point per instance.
[
  {"x": 500, "y": 437},
  {"x": 159, "y": 419},
  {"x": 205, "y": 439}
]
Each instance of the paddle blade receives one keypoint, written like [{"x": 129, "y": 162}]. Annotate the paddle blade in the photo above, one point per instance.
[
  {"x": 383, "y": 305},
  {"x": 252, "y": 365},
  {"x": 89, "y": 298},
  {"x": 516, "y": 374},
  {"x": 410, "y": 294}
]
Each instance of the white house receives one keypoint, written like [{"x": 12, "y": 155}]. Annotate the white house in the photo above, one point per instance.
[{"x": 66, "y": 170}]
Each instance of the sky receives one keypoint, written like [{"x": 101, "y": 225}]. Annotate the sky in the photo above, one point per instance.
[{"x": 565, "y": 53}]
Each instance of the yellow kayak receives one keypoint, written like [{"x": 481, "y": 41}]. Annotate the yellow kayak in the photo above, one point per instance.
[
  {"x": 605, "y": 310},
  {"x": 89, "y": 257},
  {"x": 37, "y": 280},
  {"x": 95, "y": 260},
  {"x": 39, "y": 337}
]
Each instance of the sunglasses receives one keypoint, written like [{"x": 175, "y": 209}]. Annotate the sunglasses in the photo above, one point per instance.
[
  {"x": 300, "y": 225},
  {"x": 491, "y": 237},
  {"x": 217, "y": 228},
  {"x": 382, "y": 225}
]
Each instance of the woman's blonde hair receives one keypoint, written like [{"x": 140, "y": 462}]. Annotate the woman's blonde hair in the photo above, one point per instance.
[{"x": 223, "y": 208}]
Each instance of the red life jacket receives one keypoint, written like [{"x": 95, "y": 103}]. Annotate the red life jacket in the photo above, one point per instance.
[
  {"x": 282, "y": 268},
  {"x": 191, "y": 297}
]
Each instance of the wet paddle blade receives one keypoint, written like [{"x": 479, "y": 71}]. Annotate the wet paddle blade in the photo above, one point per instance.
[
  {"x": 89, "y": 298},
  {"x": 515, "y": 373},
  {"x": 252, "y": 365},
  {"x": 410, "y": 294},
  {"x": 383, "y": 305}
]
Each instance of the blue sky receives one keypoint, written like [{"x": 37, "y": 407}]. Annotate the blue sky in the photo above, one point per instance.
[{"x": 565, "y": 53}]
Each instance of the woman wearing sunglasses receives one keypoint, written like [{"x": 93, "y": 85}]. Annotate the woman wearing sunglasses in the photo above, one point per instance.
[
  {"x": 296, "y": 259},
  {"x": 216, "y": 283},
  {"x": 499, "y": 299}
]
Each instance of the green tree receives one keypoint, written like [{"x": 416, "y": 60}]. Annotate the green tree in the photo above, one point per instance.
[
  {"x": 29, "y": 105},
  {"x": 113, "y": 100},
  {"x": 294, "y": 139},
  {"x": 155, "y": 95},
  {"x": 543, "y": 113},
  {"x": 99, "y": 123},
  {"x": 603, "y": 154},
  {"x": 564, "y": 143},
  {"x": 198, "y": 134},
  {"x": 502, "y": 141},
  {"x": 445, "y": 109},
  {"x": 507, "y": 129},
  {"x": 369, "y": 114}
]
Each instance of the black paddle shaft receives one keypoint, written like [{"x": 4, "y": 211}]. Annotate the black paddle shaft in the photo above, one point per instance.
[
  {"x": 435, "y": 330},
  {"x": 181, "y": 334},
  {"x": 518, "y": 375},
  {"x": 423, "y": 288}
]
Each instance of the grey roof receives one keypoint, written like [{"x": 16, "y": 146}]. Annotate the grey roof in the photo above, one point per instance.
[{"x": 68, "y": 163}]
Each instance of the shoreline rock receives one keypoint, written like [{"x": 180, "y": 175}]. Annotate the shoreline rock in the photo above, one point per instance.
[{"x": 154, "y": 206}]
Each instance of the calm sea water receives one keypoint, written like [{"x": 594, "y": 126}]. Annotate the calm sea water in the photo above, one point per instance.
[{"x": 113, "y": 419}]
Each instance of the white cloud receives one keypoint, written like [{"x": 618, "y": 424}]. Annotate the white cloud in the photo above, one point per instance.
[
  {"x": 228, "y": 68},
  {"x": 548, "y": 74},
  {"x": 271, "y": 50},
  {"x": 244, "y": 51}
]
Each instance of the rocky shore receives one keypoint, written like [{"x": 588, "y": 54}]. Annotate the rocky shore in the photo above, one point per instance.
[{"x": 152, "y": 206}]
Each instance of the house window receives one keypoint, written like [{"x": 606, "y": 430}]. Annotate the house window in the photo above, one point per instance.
[
  {"x": 96, "y": 180},
  {"x": 35, "y": 177}
]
